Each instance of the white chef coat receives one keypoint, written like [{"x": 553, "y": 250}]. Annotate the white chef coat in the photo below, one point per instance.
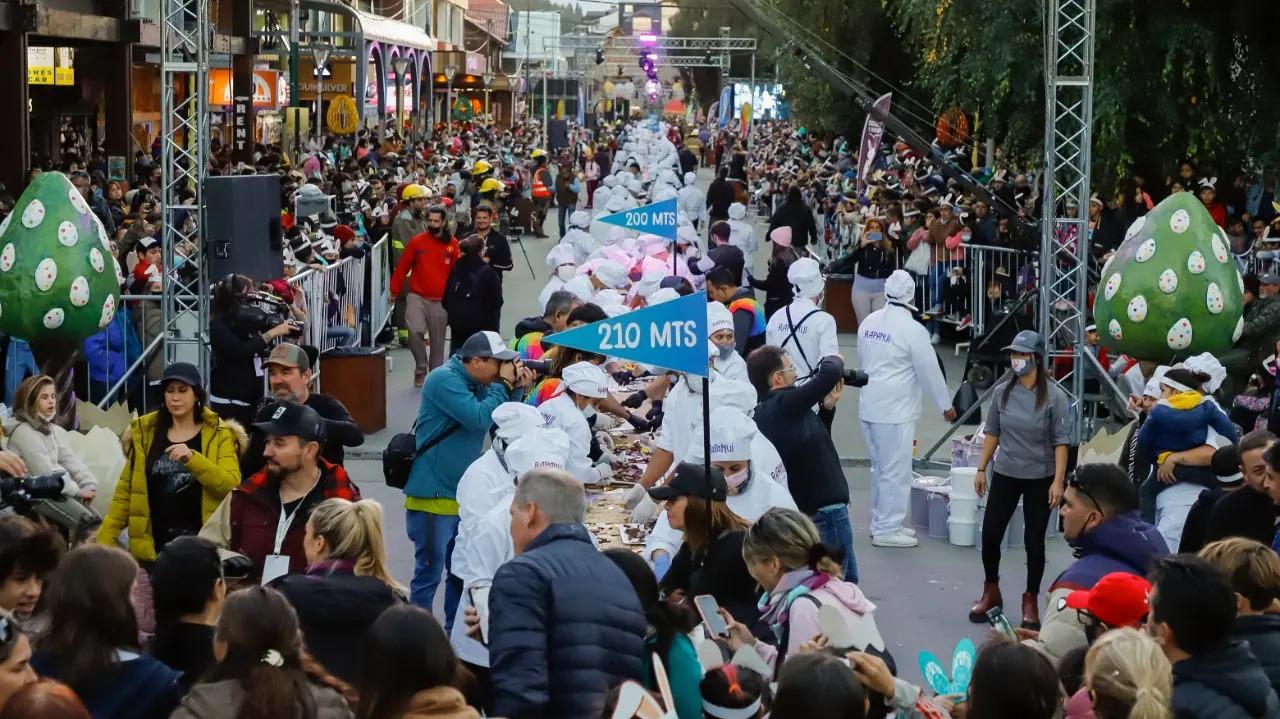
[
  {"x": 814, "y": 338},
  {"x": 681, "y": 420},
  {"x": 692, "y": 201},
  {"x": 553, "y": 285},
  {"x": 581, "y": 241},
  {"x": 896, "y": 354},
  {"x": 488, "y": 547},
  {"x": 734, "y": 368},
  {"x": 742, "y": 236},
  {"x": 561, "y": 413},
  {"x": 762, "y": 494},
  {"x": 485, "y": 482}
]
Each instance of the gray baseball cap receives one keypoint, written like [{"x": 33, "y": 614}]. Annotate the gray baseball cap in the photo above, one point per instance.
[{"x": 1028, "y": 341}]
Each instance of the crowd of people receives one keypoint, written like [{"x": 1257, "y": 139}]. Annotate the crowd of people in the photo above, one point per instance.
[{"x": 238, "y": 573}]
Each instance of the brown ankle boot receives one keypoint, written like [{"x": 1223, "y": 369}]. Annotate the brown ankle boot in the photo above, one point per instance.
[
  {"x": 1030, "y": 611},
  {"x": 990, "y": 598}
]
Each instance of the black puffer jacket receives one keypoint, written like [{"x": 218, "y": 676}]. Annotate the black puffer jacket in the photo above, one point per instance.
[
  {"x": 565, "y": 627},
  {"x": 335, "y": 609},
  {"x": 1224, "y": 684},
  {"x": 1262, "y": 633}
]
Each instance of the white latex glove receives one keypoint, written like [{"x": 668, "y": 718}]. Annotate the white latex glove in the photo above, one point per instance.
[
  {"x": 635, "y": 496},
  {"x": 605, "y": 471},
  {"x": 605, "y": 440},
  {"x": 605, "y": 422},
  {"x": 645, "y": 511},
  {"x": 608, "y": 458}
]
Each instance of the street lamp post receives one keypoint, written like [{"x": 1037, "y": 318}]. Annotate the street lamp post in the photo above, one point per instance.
[
  {"x": 511, "y": 83},
  {"x": 320, "y": 54},
  {"x": 488, "y": 80},
  {"x": 449, "y": 72},
  {"x": 400, "y": 65}
]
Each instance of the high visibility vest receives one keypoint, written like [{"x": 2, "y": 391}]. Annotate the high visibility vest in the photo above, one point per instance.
[{"x": 540, "y": 189}]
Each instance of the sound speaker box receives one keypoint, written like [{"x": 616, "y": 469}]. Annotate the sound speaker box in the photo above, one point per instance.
[{"x": 242, "y": 236}]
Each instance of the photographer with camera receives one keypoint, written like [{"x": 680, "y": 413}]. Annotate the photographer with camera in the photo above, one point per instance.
[
  {"x": 786, "y": 418},
  {"x": 900, "y": 361},
  {"x": 239, "y": 334}
]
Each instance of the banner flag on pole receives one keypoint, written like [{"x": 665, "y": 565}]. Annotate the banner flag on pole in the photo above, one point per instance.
[
  {"x": 671, "y": 335},
  {"x": 872, "y": 132},
  {"x": 658, "y": 218}
]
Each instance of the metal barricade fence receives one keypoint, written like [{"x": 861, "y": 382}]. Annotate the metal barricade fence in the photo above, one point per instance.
[{"x": 378, "y": 288}]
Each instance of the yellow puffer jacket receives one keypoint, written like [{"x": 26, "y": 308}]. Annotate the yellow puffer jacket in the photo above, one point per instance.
[{"x": 217, "y": 469}]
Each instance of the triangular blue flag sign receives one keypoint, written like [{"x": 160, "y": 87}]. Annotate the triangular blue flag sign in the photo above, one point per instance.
[
  {"x": 658, "y": 219},
  {"x": 671, "y": 335}
]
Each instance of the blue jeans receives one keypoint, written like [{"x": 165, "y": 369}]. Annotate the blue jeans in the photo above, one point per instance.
[
  {"x": 433, "y": 536},
  {"x": 837, "y": 533}
]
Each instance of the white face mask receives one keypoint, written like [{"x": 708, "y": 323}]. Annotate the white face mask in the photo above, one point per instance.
[
  {"x": 737, "y": 479},
  {"x": 588, "y": 411},
  {"x": 566, "y": 272},
  {"x": 1020, "y": 366}
]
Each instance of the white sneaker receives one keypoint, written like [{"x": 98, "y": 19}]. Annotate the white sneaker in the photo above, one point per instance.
[
  {"x": 894, "y": 540},
  {"x": 935, "y": 339},
  {"x": 907, "y": 531}
]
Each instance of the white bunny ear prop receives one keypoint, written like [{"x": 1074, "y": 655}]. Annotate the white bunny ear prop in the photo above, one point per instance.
[
  {"x": 664, "y": 687},
  {"x": 635, "y": 702},
  {"x": 748, "y": 658},
  {"x": 709, "y": 656}
]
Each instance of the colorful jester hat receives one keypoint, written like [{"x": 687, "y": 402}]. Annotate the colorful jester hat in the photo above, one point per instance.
[
  {"x": 57, "y": 274},
  {"x": 1172, "y": 289}
]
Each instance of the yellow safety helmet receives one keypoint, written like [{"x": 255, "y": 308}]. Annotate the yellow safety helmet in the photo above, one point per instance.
[
  {"x": 480, "y": 167},
  {"x": 539, "y": 152},
  {"x": 415, "y": 192},
  {"x": 490, "y": 185}
]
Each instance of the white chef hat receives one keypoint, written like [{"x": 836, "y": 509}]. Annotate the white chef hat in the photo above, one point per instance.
[
  {"x": 733, "y": 393},
  {"x": 805, "y": 275},
  {"x": 1153, "y": 385},
  {"x": 611, "y": 274},
  {"x": 539, "y": 448},
  {"x": 901, "y": 288},
  {"x": 580, "y": 218},
  {"x": 737, "y": 211},
  {"x": 687, "y": 235},
  {"x": 650, "y": 281},
  {"x": 611, "y": 181},
  {"x": 731, "y": 434},
  {"x": 586, "y": 379},
  {"x": 690, "y": 178},
  {"x": 718, "y": 318},
  {"x": 616, "y": 204},
  {"x": 560, "y": 255},
  {"x": 608, "y": 297},
  {"x": 514, "y": 419},
  {"x": 1208, "y": 364},
  {"x": 662, "y": 294}
]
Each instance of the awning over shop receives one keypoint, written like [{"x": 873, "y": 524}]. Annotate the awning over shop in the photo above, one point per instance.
[{"x": 394, "y": 32}]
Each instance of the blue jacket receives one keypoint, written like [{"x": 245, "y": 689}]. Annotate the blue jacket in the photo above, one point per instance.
[
  {"x": 141, "y": 688},
  {"x": 1180, "y": 426},
  {"x": 19, "y": 364},
  {"x": 1223, "y": 684},
  {"x": 1123, "y": 543},
  {"x": 565, "y": 627},
  {"x": 450, "y": 397},
  {"x": 110, "y": 352}
]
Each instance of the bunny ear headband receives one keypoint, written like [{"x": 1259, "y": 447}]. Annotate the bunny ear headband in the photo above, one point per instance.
[{"x": 712, "y": 660}]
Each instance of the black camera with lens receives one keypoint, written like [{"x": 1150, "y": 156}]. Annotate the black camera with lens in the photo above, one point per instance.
[
  {"x": 539, "y": 367},
  {"x": 259, "y": 312},
  {"x": 855, "y": 378},
  {"x": 21, "y": 493}
]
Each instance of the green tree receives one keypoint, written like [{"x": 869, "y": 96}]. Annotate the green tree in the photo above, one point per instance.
[{"x": 1193, "y": 79}]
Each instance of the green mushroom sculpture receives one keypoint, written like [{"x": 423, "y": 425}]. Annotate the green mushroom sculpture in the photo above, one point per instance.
[
  {"x": 58, "y": 277},
  {"x": 1172, "y": 289}
]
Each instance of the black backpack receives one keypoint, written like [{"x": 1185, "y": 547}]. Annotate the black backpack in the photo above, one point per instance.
[{"x": 402, "y": 452}]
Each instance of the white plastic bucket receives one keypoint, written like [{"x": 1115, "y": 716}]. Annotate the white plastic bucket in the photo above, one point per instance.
[
  {"x": 964, "y": 509},
  {"x": 963, "y": 534},
  {"x": 962, "y": 479}
]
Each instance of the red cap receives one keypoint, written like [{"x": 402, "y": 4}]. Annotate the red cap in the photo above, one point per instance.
[
  {"x": 344, "y": 234},
  {"x": 1118, "y": 599}
]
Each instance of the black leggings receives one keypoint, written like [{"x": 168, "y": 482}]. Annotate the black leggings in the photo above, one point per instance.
[{"x": 1003, "y": 493}]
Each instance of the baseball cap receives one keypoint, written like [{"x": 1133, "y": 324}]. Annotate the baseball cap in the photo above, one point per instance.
[
  {"x": 1225, "y": 464},
  {"x": 287, "y": 354},
  {"x": 1118, "y": 599},
  {"x": 1028, "y": 341},
  {"x": 1269, "y": 278},
  {"x": 690, "y": 480},
  {"x": 485, "y": 344},
  {"x": 290, "y": 419},
  {"x": 183, "y": 372}
]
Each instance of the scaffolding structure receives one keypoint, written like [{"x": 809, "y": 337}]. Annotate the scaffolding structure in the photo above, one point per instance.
[
  {"x": 1064, "y": 238},
  {"x": 184, "y": 159}
]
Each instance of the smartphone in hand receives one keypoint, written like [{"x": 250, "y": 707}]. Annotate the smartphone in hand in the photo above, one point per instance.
[
  {"x": 1000, "y": 623},
  {"x": 709, "y": 610},
  {"x": 479, "y": 597}
]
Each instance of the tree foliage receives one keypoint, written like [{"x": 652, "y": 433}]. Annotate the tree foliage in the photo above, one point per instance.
[{"x": 1190, "y": 79}]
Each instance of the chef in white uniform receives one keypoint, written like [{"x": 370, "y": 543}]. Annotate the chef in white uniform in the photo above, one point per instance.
[
  {"x": 752, "y": 491},
  {"x": 727, "y": 362},
  {"x": 899, "y": 359},
  {"x": 802, "y": 329},
  {"x": 578, "y": 238},
  {"x": 564, "y": 268},
  {"x": 692, "y": 201},
  {"x": 582, "y": 387},
  {"x": 490, "y": 477},
  {"x": 741, "y": 235},
  {"x": 488, "y": 544}
]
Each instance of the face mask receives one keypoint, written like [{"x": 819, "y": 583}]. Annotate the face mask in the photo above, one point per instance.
[
  {"x": 1271, "y": 365},
  {"x": 875, "y": 236},
  {"x": 737, "y": 479},
  {"x": 566, "y": 272},
  {"x": 726, "y": 351},
  {"x": 1020, "y": 366},
  {"x": 588, "y": 411}
]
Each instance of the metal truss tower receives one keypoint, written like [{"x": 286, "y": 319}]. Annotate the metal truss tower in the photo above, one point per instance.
[
  {"x": 1064, "y": 239},
  {"x": 184, "y": 159}
]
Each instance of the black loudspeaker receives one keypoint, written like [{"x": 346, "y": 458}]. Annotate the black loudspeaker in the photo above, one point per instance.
[{"x": 242, "y": 213}]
